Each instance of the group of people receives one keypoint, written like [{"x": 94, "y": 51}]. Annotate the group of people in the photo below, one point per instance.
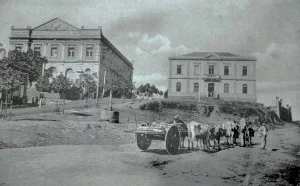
[
  {"x": 244, "y": 131},
  {"x": 247, "y": 133}
]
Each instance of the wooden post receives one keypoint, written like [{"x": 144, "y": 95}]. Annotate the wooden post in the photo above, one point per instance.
[{"x": 110, "y": 100}]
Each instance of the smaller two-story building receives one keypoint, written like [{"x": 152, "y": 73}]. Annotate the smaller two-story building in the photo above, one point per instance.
[{"x": 212, "y": 74}]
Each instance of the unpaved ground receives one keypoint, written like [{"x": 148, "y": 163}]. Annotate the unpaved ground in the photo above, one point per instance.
[
  {"x": 78, "y": 149},
  {"x": 127, "y": 165}
]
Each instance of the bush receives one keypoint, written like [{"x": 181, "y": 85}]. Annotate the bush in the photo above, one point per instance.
[
  {"x": 156, "y": 106},
  {"x": 73, "y": 93}
]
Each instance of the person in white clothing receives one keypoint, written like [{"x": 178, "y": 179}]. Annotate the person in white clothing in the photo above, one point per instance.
[
  {"x": 263, "y": 131},
  {"x": 242, "y": 131}
]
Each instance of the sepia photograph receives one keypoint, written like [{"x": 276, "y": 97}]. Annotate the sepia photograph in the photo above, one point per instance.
[{"x": 149, "y": 92}]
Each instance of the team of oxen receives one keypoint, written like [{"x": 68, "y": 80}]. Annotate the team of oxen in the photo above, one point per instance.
[{"x": 205, "y": 134}]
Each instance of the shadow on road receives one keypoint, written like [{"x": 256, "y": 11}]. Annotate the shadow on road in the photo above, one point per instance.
[{"x": 164, "y": 151}]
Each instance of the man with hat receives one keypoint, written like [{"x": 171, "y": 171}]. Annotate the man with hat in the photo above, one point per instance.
[{"x": 263, "y": 133}]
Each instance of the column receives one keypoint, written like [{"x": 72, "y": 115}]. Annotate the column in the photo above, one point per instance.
[
  {"x": 63, "y": 51},
  {"x": 188, "y": 76},
  {"x": 80, "y": 51},
  {"x": 45, "y": 50}
]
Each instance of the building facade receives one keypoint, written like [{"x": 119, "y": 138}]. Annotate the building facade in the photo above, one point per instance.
[
  {"x": 71, "y": 51},
  {"x": 212, "y": 74}
]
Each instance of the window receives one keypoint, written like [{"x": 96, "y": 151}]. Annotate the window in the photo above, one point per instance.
[
  {"x": 89, "y": 51},
  {"x": 71, "y": 51},
  {"x": 211, "y": 69},
  {"x": 196, "y": 87},
  {"x": 196, "y": 69},
  {"x": 226, "y": 70},
  {"x": 178, "y": 87},
  {"x": 37, "y": 50},
  {"x": 54, "y": 51},
  {"x": 245, "y": 89},
  {"x": 18, "y": 47},
  {"x": 226, "y": 88},
  {"x": 178, "y": 69},
  {"x": 244, "y": 70}
]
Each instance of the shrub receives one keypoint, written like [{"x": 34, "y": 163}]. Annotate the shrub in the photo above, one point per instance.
[
  {"x": 156, "y": 106},
  {"x": 73, "y": 93}
]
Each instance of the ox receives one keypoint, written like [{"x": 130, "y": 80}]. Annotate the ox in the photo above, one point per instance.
[
  {"x": 216, "y": 133},
  {"x": 198, "y": 131},
  {"x": 228, "y": 126}
]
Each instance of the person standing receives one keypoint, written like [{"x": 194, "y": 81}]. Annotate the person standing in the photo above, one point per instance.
[
  {"x": 235, "y": 132},
  {"x": 242, "y": 130},
  {"x": 251, "y": 132},
  {"x": 263, "y": 133}
]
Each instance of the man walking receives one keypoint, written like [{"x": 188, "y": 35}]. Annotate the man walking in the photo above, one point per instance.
[{"x": 263, "y": 133}]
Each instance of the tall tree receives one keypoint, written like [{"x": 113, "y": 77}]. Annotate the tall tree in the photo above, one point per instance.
[
  {"x": 61, "y": 84},
  {"x": 20, "y": 67},
  {"x": 43, "y": 83}
]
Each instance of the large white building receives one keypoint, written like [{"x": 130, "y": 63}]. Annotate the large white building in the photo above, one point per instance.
[
  {"x": 209, "y": 74},
  {"x": 71, "y": 51}
]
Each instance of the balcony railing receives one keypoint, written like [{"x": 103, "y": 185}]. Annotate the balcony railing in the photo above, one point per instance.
[{"x": 212, "y": 77}]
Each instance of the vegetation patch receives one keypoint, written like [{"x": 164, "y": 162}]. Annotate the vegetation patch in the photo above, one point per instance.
[{"x": 157, "y": 106}]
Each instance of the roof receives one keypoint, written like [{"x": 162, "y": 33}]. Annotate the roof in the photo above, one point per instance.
[
  {"x": 215, "y": 56},
  {"x": 56, "y": 24}
]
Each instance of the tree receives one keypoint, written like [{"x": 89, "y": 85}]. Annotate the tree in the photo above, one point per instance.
[
  {"x": 88, "y": 83},
  {"x": 166, "y": 94},
  {"x": 19, "y": 68},
  {"x": 61, "y": 84},
  {"x": 43, "y": 83},
  {"x": 116, "y": 85},
  {"x": 148, "y": 88},
  {"x": 9, "y": 77}
]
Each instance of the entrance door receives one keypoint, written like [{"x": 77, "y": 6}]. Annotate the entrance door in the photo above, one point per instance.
[{"x": 211, "y": 89}]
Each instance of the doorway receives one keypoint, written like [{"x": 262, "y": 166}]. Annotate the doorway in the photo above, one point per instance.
[{"x": 211, "y": 89}]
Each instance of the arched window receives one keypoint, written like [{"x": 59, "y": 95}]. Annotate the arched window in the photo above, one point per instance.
[{"x": 178, "y": 87}]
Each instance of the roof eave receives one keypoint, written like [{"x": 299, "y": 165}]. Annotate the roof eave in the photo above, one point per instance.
[{"x": 222, "y": 59}]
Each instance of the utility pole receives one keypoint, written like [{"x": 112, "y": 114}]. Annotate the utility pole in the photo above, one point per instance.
[
  {"x": 99, "y": 68},
  {"x": 199, "y": 93},
  {"x": 103, "y": 91}
]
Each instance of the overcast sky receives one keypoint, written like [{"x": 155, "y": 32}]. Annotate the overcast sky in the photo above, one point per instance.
[{"x": 150, "y": 31}]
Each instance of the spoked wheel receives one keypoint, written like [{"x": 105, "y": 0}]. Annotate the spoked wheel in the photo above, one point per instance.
[
  {"x": 172, "y": 140},
  {"x": 143, "y": 141}
]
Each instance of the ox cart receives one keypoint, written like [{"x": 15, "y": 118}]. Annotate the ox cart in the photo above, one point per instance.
[{"x": 170, "y": 133}]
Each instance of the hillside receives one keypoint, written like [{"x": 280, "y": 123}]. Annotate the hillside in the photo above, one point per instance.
[{"x": 211, "y": 111}]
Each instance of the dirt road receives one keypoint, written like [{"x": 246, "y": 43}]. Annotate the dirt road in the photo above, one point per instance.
[{"x": 127, "y": 165}]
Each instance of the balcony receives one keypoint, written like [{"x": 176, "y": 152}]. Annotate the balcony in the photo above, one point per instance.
[{"x": 211, "y": 77}]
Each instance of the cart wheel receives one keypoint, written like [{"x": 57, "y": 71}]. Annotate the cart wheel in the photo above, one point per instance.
[
  {"x": 143, "y": 142},
  {"x": 172, "y": 140}
]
